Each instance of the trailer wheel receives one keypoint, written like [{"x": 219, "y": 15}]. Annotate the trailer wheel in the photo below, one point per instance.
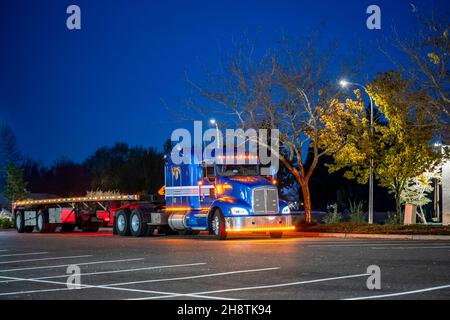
[
  {"x": 218, "y": 225},
  {"x": 20, "y": 223},
  {"x": 122, "y": 223},
  {"x": 42, "y": 223},
  {"x": 138, "y": 224},
  {"x": 276, "y": 234}
]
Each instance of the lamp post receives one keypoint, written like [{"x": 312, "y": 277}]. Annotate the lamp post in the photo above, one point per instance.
[
  {"x": 344, "y": 84},
  {"x": 213, "y": 122}
]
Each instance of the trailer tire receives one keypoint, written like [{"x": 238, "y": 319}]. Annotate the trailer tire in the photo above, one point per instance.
[
  {"x": 42, "y": 222},
  {"x": 19, "y": 221},
  {"x": 122, "y": 223},
  {"x": 276, "y": 235},
  {"x": 218, "y": 225},
  {"x": 138, "y": 223}
]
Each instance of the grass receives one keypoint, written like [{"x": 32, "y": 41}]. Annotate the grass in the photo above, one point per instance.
[{"x": 349, "y": 227}]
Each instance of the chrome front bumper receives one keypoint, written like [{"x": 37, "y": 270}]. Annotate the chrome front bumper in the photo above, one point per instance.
[{"x": 259, "y": 223}]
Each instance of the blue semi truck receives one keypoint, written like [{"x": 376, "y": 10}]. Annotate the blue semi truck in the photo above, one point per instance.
[{"x": 208, "y": 195}]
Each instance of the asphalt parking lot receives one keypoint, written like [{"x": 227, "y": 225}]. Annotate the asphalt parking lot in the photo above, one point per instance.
[{"x": 34, "y": 266}]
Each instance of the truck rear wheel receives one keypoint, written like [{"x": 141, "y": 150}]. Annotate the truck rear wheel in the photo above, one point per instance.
[
  {"x": 138, "y": 224},
  {"x": 122, "y": 223},
  {"x": 42, "y": 223},
  {"x": 218, "y": 225}
]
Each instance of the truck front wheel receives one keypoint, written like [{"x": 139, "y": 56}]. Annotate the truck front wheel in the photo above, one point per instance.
[
  {"x": 122, "y": 223},
  {"x": 218, "y": 225}
]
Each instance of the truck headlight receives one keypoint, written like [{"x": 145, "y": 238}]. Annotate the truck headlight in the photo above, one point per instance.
[
  {"x": 286, "y": 210},
  {"x": 239, "y": 211}
]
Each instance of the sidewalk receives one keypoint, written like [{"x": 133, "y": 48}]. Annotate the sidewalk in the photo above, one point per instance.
[{"x": 373, "y": 236}]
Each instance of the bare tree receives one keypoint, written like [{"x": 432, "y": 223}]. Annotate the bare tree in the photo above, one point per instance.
[{"x": 289, "y": 89}]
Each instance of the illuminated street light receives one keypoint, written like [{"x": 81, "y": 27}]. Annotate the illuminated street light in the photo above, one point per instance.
[
  {"x": 213, "y": 122},
  {"x": 344, "y": 83}
]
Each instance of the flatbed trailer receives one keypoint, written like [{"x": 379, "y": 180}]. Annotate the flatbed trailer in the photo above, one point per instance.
[{"x": 87, "y": 214}]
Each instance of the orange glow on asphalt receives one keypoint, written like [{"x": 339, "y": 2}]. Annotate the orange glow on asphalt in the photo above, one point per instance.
[{"x": 261, "y": 229}]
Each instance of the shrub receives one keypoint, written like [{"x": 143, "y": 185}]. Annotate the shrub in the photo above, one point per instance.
[
  {"x": 332, "y": 216},
  {"x": 357, "y": 214},
  {"x": 6, "y": 221}
]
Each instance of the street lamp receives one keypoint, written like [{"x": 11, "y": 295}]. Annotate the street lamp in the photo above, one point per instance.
[
  {"x": 344, "y": 83},
  {"x": 213, "y": 122}
]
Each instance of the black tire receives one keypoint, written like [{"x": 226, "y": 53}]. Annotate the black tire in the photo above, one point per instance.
[
  {"x": 218, "y": 225},
  {"x": 19, "y": 222},
  {"x": 122, "y": 223},
  {"x": 138, "y": 223},
  {"x": 276, "y": 235},
  {"x": 42, "y": 222},
  {"x": 68, "y": 227},
  {"x": 114, "y": 229}
]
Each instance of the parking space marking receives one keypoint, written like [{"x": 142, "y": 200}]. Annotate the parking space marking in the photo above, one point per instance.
[
  {"x": 66, "y": 265},
  {"x": 400, "y": 293},
  {"x": 194, "y": 277},
  {"x": 260, "y": 287},
  {"x": 3, "y": 250},
  {"x": 113, "y": 271},
  {"x": 22, "y": 254},
  {"x": 44, "y": 259},
  {"x": 86, "y": 286}
]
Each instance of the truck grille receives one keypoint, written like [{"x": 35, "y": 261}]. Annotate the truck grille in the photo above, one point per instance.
[{"x": 265, "y": 200}]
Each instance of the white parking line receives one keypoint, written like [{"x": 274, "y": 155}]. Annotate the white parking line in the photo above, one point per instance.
[
  {"x": 259, "y": 287},
  {"x": 44, "y": 259},
  {"x": 85, "y": 286},
  {"x": 400, "y": 293},
  {"x": 2, "y": 250},
  {"x": 112, "y": 271},
  {"x": 22, "y": 254},
  {"x": 66, "y": 265},
  {"x": 193, "y": 277}
]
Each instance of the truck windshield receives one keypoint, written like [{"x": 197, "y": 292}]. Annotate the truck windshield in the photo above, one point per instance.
[{"x": 228, "y": 170}]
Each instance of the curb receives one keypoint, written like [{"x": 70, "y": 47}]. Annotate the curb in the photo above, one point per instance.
[{"x": 374, "y": 236}]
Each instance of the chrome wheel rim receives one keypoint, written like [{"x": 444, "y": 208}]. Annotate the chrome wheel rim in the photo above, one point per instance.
[
  {"x": 121, "y": 222},
  {"x": 135, "y": 222},
  {"x": 40, "y": 222},
  {"x": 216, "y": 224},
  {"x": 18, "y": 221}
]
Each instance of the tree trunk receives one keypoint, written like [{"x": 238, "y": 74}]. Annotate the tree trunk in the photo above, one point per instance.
[
  {"x": 304, "y": 183},
  {"x": 421, "y": 214},
  {"x": 398, "y": 208}
]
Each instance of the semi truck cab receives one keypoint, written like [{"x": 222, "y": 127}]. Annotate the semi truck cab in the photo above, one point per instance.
[{"x": 224, "y": 198}]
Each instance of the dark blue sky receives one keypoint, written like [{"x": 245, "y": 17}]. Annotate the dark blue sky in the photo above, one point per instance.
[{"x": 65, "y": 93}]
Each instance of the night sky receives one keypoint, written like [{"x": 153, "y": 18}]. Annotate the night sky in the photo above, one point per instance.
[{"x": 65, "y": 93}]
